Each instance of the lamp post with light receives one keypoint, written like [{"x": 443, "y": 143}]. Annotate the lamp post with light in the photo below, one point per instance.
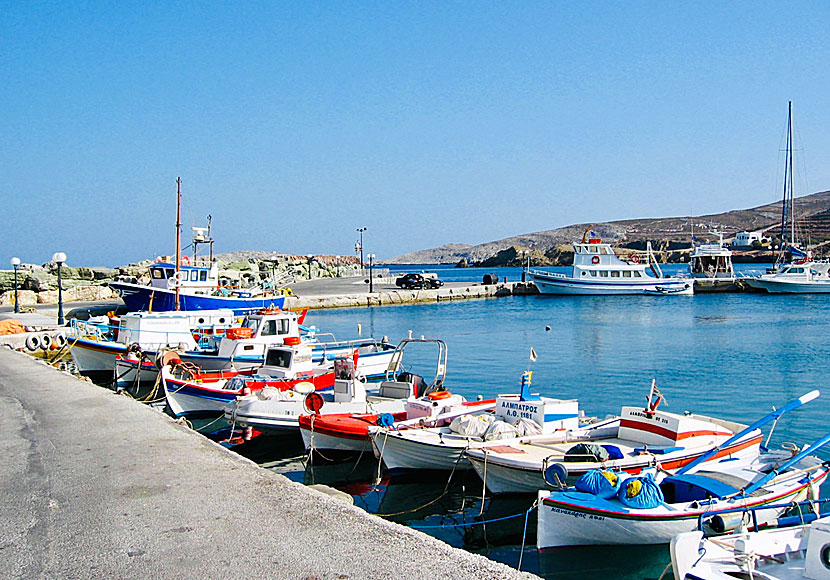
[
  {"x": 371, "y": 258},
  {"x": 359, "y": 245},
  {"x": 60, "y": 258},
  {"x": 16, "y": 264}
]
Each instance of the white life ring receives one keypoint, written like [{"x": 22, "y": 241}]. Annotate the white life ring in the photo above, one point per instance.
[
  {"x": 185, "y": 261},
  {"x": 180, "y": 276}
]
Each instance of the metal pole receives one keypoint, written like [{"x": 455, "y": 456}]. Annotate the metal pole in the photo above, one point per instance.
[
  {"x": 60, "y": 297},
  {"x": 16, "y": 301},
  {"x": 371, "y": 289},
  {"x": 178, "y": 235}
]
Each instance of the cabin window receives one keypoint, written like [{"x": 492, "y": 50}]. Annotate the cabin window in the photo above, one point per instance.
[
  {"x": 626, "y": 274},
  {"x": 604, "y": 250},
  {"x": 592, "y": 249},
  {"x": 603, "y": 273},
  {"x": 252, "y": 323},
  {"x": 157, "y": 274},
  {"x": 584, "y": 273},
  {"x": 594, "y": 273},
  {"x": 615, "y": 274},
  {"x": 275, "y": 327},
  {"x": 797, "y": 270},
  {"x": 194, "y": 275},
  {"x": 637, "y": 274},
  {"x": 278, "y": 358},
  {"x": 203, "y": 275}
]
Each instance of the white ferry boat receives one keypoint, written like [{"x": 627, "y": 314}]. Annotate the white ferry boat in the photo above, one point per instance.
[
  {"x": 710, "y": 266},
  {"x": 597, "y": 270}
]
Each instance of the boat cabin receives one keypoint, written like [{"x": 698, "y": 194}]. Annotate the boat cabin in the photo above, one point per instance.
[
  {"x": 596, "y": 259},
  {"x": 266, "y": 327},
  {"x": 198, "y": 278},
  {"x": 711, "y": 260},
  {"x": 287, "y": 362}
]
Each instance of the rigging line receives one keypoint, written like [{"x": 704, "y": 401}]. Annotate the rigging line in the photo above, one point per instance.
[{"x": 470, "y": 524}]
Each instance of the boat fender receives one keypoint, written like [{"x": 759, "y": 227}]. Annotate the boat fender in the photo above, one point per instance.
[
  {"x": 59, "y": 339},
  {"x": 313, "y": 402},
  {"x": 32, "y": 342},
  {"x": 438, "y": 395},
  {"x": 385, "y": 420},
  {"x": 305, "y": 387},
  {"x": 595, "y": 260},
  {"x": 45, "y": 341},
  {"x": 556, "y": 474}
]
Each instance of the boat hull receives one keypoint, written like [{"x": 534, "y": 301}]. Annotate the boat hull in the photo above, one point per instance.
[
  {"x": 576, "y": 286},
  {"x": 93, "y": 356},
  {"x": 783, "y": 287},
  {"x": 401, "y": 454},
  {"x": 146, "y": 298},
  {"x": 574, "y": 518}
]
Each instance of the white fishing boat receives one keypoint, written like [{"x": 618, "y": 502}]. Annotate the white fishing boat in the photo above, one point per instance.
[
  {"x": 407, "y": 447},
  {"x": 639, "y": 510},
  {"x": 243, "y": 348},
  {"x": 788, "y": 552},
  {"x": 710, "y": 266},
  {"x": 640, "y": 438},
  {"x": 348, "y": 433},
  {"x": 288, "y": 369},
  {"x": 95, "y": 345},
  {"x": 274, "y": 412},
  {"x": 597, "y": 270}
]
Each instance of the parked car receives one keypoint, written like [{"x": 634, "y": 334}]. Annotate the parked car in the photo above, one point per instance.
[{"x": 415, "y": 281}]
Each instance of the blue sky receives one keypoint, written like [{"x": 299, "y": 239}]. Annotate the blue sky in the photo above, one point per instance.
[{"x": 293, "y": 124}]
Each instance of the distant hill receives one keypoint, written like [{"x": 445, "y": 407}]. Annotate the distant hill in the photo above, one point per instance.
[{"x": 812, "y": 211}]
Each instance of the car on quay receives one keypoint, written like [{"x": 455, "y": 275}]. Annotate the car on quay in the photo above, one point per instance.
[{"x": 416, "y": 281}]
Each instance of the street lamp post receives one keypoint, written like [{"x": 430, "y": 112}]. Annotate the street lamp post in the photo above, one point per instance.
[
  {"x": 360, "y": 245},
  {"x": 60, "y": 258},
  {"x": 309, "y": 256},
  {"x": 371, "y": 258},
  {"x": 16, "y": 264}
]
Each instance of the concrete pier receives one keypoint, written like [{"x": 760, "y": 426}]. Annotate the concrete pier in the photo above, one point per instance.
[{"x": 96, "y": 485}]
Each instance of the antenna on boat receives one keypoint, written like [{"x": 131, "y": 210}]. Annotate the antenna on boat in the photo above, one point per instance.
[{"x": 178, "y": 235}]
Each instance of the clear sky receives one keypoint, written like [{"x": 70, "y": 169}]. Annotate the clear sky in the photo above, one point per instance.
[{"x": 294, "y": 124}]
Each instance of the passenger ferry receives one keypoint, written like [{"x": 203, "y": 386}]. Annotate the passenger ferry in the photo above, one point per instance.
[{"x": 598, "y": 271}]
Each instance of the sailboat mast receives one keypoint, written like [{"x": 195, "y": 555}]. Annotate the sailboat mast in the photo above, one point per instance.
[
  {"x": 178, "y": 235},
  {"x": 790, "y": 171}
]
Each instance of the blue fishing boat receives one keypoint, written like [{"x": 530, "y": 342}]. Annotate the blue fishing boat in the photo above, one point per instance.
[{"x": 191, "y": 284}]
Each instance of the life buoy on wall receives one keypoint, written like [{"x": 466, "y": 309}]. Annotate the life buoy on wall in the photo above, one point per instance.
[
  {"x": 595, "y": 260},
  {"x": 635, "y": 259},
  {"x": 185, "y": 261}
]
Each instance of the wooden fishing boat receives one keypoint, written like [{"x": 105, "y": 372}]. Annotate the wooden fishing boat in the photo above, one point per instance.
[{"x": 642, "y": 511}]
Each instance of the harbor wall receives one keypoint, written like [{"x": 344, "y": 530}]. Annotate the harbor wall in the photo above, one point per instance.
[{"x": 97, "y": 485}]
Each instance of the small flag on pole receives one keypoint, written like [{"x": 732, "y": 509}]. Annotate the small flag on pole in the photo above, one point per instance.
[{"x": 532, "y": 355}]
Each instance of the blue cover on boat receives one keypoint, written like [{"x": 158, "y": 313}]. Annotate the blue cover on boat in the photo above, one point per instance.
[
  {"x": 385, "y": 420},
  {"x": 713, "y": 486},
  {"x": 640, "y": 492},
  {"x": 613, "y": 451},
  {"x": 657, "y": 450},
  {"x": 600, "y": 482}
]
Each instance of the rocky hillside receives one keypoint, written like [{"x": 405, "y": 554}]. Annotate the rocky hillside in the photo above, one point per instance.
[{"x": 813, "y": 212}]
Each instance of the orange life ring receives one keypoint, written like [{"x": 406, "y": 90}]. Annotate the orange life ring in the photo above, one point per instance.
[
  {"x": 635, "y": 259},
  {"x": 185, "y": 261},
  {"x": 438, "y": 395},
  {"x": 595, "y": 260}
]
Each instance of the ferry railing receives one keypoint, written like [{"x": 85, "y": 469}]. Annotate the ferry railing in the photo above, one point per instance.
[{"x": 205, "y": 337}]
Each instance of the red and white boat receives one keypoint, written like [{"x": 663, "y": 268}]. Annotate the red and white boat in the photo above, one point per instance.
[{"x": 287, "y": 368}]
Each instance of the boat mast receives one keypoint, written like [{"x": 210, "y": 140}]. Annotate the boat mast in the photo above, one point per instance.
[
  {"x": 178, "y": 235},
  {"x": 788, "y": 203}
]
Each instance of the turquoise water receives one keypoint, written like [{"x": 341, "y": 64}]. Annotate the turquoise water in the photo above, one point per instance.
[{"x": 730, "y": 355}]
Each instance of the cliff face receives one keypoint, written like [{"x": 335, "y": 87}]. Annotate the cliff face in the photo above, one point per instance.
[{"x": 812, "y": 211}]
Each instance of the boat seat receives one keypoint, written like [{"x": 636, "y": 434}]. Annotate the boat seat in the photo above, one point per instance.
[{"x": 395, "y": 390}]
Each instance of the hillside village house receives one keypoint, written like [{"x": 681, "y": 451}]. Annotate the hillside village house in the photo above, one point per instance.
[{"x": 745, "y": 239}]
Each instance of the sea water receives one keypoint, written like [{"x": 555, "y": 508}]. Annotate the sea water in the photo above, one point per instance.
[{"x": 733, "y": 356}]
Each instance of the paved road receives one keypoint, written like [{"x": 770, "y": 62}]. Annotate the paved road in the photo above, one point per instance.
[{"x": 96, "y": 485}]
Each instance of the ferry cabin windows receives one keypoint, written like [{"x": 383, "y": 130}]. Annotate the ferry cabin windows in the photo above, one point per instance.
[
  {"x": 637, "y": 274},
  {"x": 157, "y": 274},
  {"x": 626, "y": 273},
  {"x": 604, "y": 250},
  {"x": 603, "y": 273},
  {"x": 615, "y": 274},
  {"x": 278, "y": 358},
  {"x": 203, "y": 276},
  {"x": 275, "y": 327}
]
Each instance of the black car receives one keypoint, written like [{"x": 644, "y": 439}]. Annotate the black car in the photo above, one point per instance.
[{"x": 417, "y": 282}]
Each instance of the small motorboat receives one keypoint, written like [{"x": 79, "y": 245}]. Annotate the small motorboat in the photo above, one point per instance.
[
  {"x": 350, "y": 432},
  {"x": 288, "y": 368},
  {"x": 797, "y": 548},
  {"x": 638, "y": 439},
  {"x": 609, "y": 508}
]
